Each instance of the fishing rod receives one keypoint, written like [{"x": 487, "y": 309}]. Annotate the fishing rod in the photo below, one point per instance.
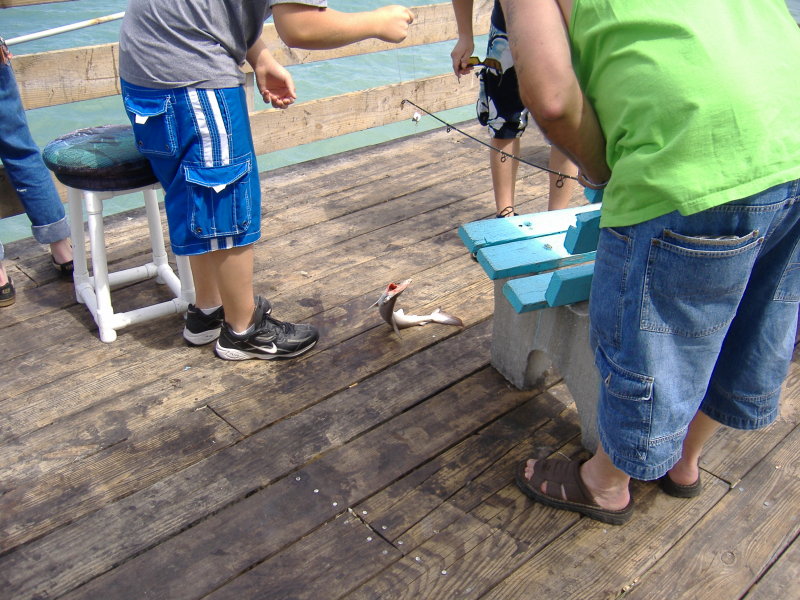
[
  {"x": 504, "y": 155},
  {"x": 63, "y": 29}
]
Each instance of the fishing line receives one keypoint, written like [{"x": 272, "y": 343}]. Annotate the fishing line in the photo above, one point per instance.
[{"x": 504, "y": 155}]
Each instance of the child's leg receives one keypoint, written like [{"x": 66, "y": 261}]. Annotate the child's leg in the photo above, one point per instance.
[
  {"x": 226, "y": 277},
  {"x": 504, "y": 172},
  {"x": 560, "y": 195}
]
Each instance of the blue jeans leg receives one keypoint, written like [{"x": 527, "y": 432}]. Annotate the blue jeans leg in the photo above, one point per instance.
[
  {"x": 25, "y": 167},
  {"x": 694, "y": 313}
]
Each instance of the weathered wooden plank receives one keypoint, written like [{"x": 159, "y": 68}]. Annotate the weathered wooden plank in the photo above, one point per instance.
[
  {"x": 85, "y": 548},
  {"x": 781, "y": 580},
  {"x": 332, "y": 559},
  {"x": 583, "y": 236},
  {"x": 570, "y": 285},
  {"x": 465, "y": 475},
  {"x": 532, "y": 547},
  {"x": 493, "y": 232},
  {"x": 275, "y": 129},
  {"x": 737, "y": 540},
  {"x": 23, "y": 510},
  {"x": 528, "y": 257},
  {"x": 201, "y": 558}
]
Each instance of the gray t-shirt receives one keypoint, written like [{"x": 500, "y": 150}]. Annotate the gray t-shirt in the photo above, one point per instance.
[{"x": 199, "y": 43}]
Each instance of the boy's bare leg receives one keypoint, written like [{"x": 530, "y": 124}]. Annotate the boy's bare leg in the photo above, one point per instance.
[
  {"x": 504, "y": 171},
  {"x": 226, "y": 277},
  {"x": 687, "y": 470},
  {"x": 3, "y": 274},
  {"x": 560, "y": 196}
]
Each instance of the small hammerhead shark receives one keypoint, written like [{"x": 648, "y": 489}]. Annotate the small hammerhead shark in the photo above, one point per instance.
[{"x": 399, "y": 320}]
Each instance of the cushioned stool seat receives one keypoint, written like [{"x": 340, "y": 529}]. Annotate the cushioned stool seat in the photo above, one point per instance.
[{"x": 96, "y": 164}]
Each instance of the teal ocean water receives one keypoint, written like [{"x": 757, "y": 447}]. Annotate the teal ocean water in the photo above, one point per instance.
[
  {"x": 312, "y": 81},
  {"x": 316, "y": 80}
]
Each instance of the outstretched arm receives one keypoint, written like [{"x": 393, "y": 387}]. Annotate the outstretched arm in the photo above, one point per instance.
[
  {"x": 466, "y": 43},
  {"x": 548, "y": 86},
  {"x": 314, "y": 28}
]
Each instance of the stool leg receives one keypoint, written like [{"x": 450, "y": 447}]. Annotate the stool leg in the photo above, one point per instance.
[
  {"x": 187, "y": 282},
  {"x": 76, "y": 231},
  {"x": 97, "y": 243},
  {"x": 156, "y": 234}
]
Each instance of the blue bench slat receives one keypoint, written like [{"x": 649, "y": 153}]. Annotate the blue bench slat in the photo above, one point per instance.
[
  {"x": 527, "y": 257},
  {"x": 583, "y": 236},
  {"x": 491, "y": 232},
  {"x": 527, "y": 293},
  {"x": 570, "y": 285},
  {"x": 554, "y": 288}
]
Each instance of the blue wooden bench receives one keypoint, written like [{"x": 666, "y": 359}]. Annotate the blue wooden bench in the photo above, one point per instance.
[{"x": 542, "y": 266}]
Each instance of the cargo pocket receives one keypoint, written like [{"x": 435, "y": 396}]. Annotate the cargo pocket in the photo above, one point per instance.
[
  {"x": 788, "y": 289},
  {"x": 153, "y": 120},
  {"x": 628, "y": 407},
  {"x": 219, "y": 199},
  {"x": 694, "y": 284}
]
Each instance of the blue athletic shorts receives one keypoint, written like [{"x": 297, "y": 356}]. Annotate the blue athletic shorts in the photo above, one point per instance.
[
  {"x": 199, "y": 144},
  {"x": 499, "y": 106},
  {"x": 694, "y": 312}
]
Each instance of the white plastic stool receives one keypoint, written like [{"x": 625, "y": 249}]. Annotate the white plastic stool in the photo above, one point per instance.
[{"x": 97, "y": 164}]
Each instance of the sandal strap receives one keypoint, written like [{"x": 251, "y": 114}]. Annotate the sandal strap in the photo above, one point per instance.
[{"x": 563, "y": 479}]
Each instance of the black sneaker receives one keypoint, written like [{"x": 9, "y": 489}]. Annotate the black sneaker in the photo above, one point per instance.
[
  {"x": 8, "y": 294},
  {"x": 267, "y": 339},
  {"x": 203, "y": 329}
]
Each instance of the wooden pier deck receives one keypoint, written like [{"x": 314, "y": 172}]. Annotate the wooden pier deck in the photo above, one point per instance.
[{"x": 379, "y": 466}]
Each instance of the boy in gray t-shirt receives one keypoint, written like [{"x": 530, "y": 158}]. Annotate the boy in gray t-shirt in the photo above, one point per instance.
[{"x": 182, "y": 89}]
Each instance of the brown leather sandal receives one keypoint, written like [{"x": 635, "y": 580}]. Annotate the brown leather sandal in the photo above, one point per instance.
[{"x": 565, "y": 475}]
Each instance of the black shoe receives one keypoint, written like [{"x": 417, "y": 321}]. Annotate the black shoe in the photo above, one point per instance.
[
  {"x": 267, "y": 339},
  {"x": 65, "y": 270},
  {"x": 8, "y": 294},
  {"x": 203, "y": 329}
]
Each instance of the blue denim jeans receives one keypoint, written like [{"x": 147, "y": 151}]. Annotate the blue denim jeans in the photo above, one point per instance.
[
  {"x": 694, "y": 313},
  {"x": 25, "y": 168}
]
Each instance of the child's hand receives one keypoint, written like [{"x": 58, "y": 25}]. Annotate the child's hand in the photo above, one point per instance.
[
  {"x": 276, "y": 86},
  {"x": 5, "y": 53},
  {"x": 461, "y": 55},
  {"x": 274, "y": 82},
  {"x": 393, "y": 22}
]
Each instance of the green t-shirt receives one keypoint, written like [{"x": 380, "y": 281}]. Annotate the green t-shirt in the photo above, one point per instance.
[{"x": 699, "y": 100}]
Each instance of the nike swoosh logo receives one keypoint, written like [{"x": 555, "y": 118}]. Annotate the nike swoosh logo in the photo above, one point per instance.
[{"x": 271, "y": 349}]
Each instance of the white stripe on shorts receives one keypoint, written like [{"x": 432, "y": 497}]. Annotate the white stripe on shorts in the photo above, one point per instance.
[
  {"x": 202, "y": 126},
  {"x": 224, "y": 154}
]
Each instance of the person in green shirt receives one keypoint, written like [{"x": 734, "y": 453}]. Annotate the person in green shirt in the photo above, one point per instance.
[{"x": 687, "y": 116}]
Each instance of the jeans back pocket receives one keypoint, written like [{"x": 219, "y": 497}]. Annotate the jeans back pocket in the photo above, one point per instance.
[{"x": 694, "y": 284}]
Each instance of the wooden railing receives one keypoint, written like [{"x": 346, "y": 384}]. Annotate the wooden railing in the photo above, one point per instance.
[{"x": 66, "y": 76}]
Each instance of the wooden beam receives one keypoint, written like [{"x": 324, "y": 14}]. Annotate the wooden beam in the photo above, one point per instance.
[{"x": 325, "y": 118}]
